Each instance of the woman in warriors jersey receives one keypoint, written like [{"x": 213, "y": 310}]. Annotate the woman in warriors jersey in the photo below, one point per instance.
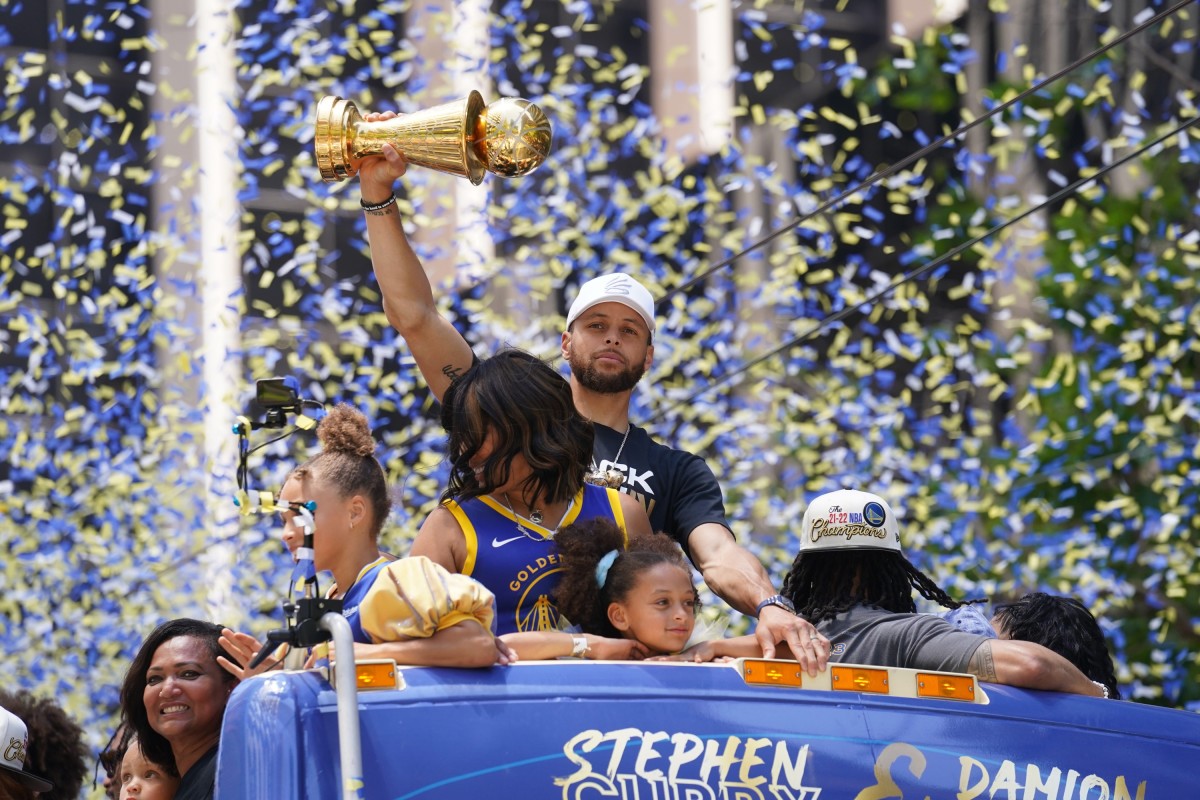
[
  {"x": 519, "y": 453},
  {"x": 411, "y": 609}
]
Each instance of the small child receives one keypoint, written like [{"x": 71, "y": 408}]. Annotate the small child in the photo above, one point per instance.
[
  {"x": 632, "y": 601},
  {"x": 141, "y": 779}
]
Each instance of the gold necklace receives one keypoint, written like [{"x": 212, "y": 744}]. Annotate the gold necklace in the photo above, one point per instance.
[{"x": 611, "y": 478}]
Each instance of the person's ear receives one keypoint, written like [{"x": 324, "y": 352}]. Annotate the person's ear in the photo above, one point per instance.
[
  {"x": 618, "y": 617},
  {"x": 649, "y": 358},
  {"x": 358, "y": 511},
  {"x": 565, "y": 345}
]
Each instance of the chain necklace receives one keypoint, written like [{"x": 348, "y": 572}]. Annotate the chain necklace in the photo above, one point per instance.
[
  {"x": 611, "y": 478},
  {"x": 535, "y": 516}
]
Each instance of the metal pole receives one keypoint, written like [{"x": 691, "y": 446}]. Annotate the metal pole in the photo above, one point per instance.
[{"x": 349, "y": 743}]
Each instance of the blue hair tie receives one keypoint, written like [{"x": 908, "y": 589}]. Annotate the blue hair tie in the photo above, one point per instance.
[{"x": 604, "y": 565}]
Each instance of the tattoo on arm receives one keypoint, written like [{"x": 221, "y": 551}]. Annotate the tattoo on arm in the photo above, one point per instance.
[
  {"x": 982, "y": 665},
  {"x": 452, "y": 372}
]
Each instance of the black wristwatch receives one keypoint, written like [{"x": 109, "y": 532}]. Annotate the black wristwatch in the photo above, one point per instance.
[{"x": 775, "y": 600}]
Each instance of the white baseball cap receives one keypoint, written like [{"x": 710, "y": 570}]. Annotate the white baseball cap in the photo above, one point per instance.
[
  {"x": 14, "y": 739},
  {"x": 614, "y": 288},
  {"x": 849, "y": 520}
]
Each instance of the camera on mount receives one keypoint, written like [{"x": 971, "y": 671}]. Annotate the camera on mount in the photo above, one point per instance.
[{"x": 278, "y": 397}]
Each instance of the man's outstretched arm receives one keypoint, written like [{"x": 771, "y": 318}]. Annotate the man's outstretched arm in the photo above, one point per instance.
[
  {"x": 441, "y": 353},
  {"x": 1030, "y": 666},
  {"x": 738, "y": 578}
]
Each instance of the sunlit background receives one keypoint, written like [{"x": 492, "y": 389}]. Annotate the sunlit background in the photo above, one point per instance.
[{"x": 1028, "y": 407}]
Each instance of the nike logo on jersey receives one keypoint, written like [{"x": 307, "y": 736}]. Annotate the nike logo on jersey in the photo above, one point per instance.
[{"x": 502, "y": 542}]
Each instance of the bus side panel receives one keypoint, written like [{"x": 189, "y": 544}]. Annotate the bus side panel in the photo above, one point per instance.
[
  {"x": 1039, "y": 745},
  {"x": 607, "y": 747},
  {"x": 693, "y": 732}
]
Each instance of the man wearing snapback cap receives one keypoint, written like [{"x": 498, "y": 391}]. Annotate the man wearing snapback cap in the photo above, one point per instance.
[
  {"x": 852, "y": 579},
  {"x": 609, "y": 344},
  {"x": 15, "y": 782}
]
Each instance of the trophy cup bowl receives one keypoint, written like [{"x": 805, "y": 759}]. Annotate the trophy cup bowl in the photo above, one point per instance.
[{"x": 467, "y": 138}]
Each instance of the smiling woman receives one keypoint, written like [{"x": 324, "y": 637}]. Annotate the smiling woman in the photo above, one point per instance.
[{"x": 174, "y": 698}]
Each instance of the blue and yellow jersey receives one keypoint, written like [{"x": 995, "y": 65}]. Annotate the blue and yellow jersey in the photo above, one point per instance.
[{"x": 521, "y": 566}]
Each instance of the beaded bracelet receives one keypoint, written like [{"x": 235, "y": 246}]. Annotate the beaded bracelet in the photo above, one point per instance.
[
  {"x": 378, "y": 209},
  {"x": 1103, "y": 688}
]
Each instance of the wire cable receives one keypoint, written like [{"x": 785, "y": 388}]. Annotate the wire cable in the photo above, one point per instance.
[
  {"x": 937, "y": 262},
  {"x": 888, "y": 172}
]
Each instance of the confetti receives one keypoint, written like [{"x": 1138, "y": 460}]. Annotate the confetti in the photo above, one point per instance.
[{"x": 1029, "y": 408}]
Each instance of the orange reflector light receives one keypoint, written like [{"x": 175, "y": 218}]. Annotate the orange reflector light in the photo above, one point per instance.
[
  {"x": 771, "y": 673},
  {"x": 376, "y": 675},
  {"x": 858, "y": 679},
  {"x": 947, "y": 687}
]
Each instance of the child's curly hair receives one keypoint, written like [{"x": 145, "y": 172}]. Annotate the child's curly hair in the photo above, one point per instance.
[{"x": 582, "y": 546}]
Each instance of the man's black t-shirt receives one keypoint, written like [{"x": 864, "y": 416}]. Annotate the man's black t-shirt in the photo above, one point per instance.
[{"x": 677, "y": 488}]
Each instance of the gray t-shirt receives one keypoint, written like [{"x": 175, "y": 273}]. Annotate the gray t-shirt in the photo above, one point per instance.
[{"x": 865, "y": 635}]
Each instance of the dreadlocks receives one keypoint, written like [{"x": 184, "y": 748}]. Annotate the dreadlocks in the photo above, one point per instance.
[{"x": 823, "y": 584}]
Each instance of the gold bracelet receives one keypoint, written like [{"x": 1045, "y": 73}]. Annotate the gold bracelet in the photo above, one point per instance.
[{"x": 379, "y": 209}]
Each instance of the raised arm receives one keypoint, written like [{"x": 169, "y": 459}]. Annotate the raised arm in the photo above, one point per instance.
[
  {"x": 1030, "y": 666},
  {"x": 440, "y": 350}
]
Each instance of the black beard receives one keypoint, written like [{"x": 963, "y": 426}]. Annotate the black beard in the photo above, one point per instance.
[{"x": 591, "y": 378}]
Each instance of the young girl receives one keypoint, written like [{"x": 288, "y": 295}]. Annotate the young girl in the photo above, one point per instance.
[
  {"x": 410, "y": 609},
  {"x": 141, "y": 779},
  {"x": 631, "y": 602}
]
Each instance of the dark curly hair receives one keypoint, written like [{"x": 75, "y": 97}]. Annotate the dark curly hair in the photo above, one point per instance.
[
  {"x": 529, "y": 409},
  {"x": 56, "y": 749},
  {"x": 133, "y": 707},
  {"x": 823, "y": 584},
  {"x": 347, "y": 461},
  {"x": 1064, "y": 625},
  {"x": 581, "y": 546}
]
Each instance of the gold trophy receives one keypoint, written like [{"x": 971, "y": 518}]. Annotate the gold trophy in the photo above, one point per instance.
[{"x": 509, "y": 137}]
